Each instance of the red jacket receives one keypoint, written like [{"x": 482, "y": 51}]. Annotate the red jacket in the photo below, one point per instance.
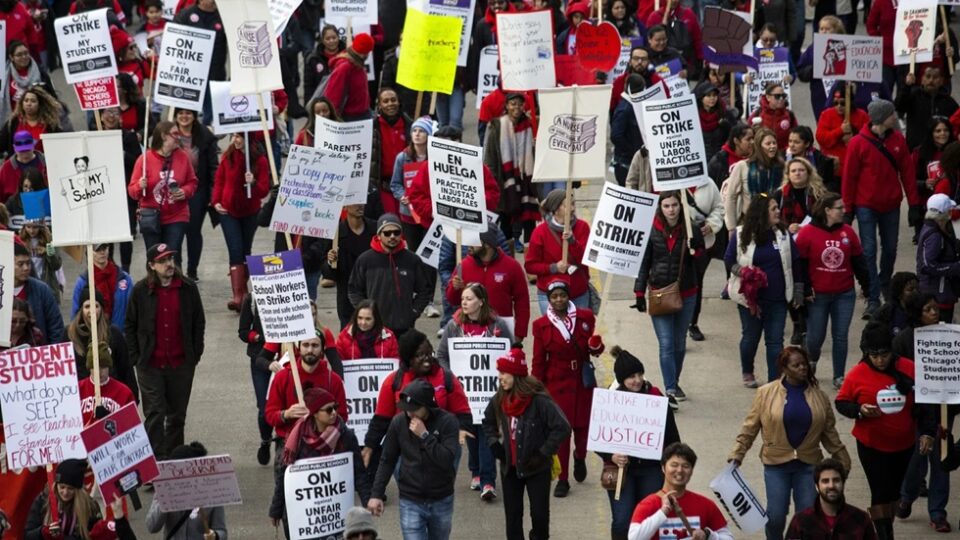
[
  {"x": 781, "y": 121},
  {"x": 545, "y": 250},
  {"x": 158, "y": 194},
  {"x": 506, "y": 285},
  {"x": 347, "y": 88},
  {"x": 892, "y": 431},
  {"x": 385, "y": 345},
  {"x": 558, "y": 364},
  {"x": 422, "y": 203},
  {"x": 20, "y": 26},
  {"x": 229, "y": 186},
  {"x": 830, "y": 134},
  {"x": 455, "y": 402},
  {"x": 11, "y": 172},
  {"x": 283, "y": 393},
  {"x": 869, "y": 179},
  {"x": 881, "y": 21}
]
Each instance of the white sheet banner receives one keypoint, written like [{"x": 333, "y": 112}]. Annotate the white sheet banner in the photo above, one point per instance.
[
  {"x": 363, "y": 9},
  {"x": 185, "y": 484},
  {"x": 572, "y": 142},
  {"x": 937, "y": 364},
  {"x": 627, "y": 423},
  {"x": 526, "y": 50},
  {"x": 451, "y": 8},
  {"x": 474, "y": 361},
  {"x": 6, "y": 286},
  {"x": 456, "y": 184},
  {"x": 914, "y": 32},
  {"x": 279, "y": 290},
  {"x": 848, "y": 58},
  {"x": 318, "y": 493},
  {"x": 675, "y": 142},
  {"x": 252, "y": 44},
  {"x": 181, "y": 78},
  {"x": 362, "y": 379},
  {"x": 237, "y": 114},
  {"x": 85, "y": 47},
  {"x": 488, "y": 74},
  {"x": 621, "y": 226},
  {"x": 736, "y": 497},
  {"x": 352, "y": 139},
  {"x": 312, "y": 192}
]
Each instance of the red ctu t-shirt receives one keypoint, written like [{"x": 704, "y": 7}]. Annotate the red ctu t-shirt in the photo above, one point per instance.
[
  {"x": 829, "y": 253},
  {"x": 701, "y": 512}
]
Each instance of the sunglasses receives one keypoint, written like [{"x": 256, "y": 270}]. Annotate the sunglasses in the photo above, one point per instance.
[
  {"x": 778, "y": 96},
  {"x": 392, "y": 232},
  {"x": 329, "y": 408}
]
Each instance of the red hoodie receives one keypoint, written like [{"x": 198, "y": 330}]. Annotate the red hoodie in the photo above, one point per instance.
[
  {"x": 347, "y": 88},
  {"x": 385, "y": 346},
  {"x": 20, "y": 27},
  {"x": 229, "y": 186},
  {"x": 283, "y": 393},
  {"x": 158, "y": 194},
  {"x": 455, "y": 402},
  {"x": 881, "y": 21},
  {"x": 830, "y": 132},
  {"x": 422, "y": 203},
  {"x": 506, "y": 285}
]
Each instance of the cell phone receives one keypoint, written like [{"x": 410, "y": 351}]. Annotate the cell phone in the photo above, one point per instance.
[{"x": 173, "y": 185}]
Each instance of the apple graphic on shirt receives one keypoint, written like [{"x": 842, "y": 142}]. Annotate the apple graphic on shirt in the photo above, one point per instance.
[{"x": 890, "y": 400}]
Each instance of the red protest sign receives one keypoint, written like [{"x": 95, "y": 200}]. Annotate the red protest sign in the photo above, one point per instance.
[
  {"x": 598, "y": 47},
  {"x": 119, "y": 452},
  {"x": 97, "y": 93},
  {"x": 570, "y": 72}
]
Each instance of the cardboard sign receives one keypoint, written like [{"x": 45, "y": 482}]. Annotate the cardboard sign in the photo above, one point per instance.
[
  {"x": 915, "y": 31},
  {"x": 621, "y": 226},
  {"x": 488, "y": 74},
  {"x": 362, "y": 379},
  {"x": 848, "y": 58},
  {"x": 937, "y": 364},
  {"x": 572, "y": 143},
  {"x": 598, "y": 47},
  {"x": 183, "y": 67},
  {"x": 675, "y": 143},
  {"x": 279, "y": 290},
  {"x": 252, "y": 44},
  {"x": 627, "y": 423},
  {"x": 6, "y": 287},
  {"x": 312, "y": 192},
  {"x": 359, "y": 26},
  {"x": 431, "y": 46},
  {"x": 40, "y": 400},
  {"x": 88, "y": 187},
  {"x": 726, "y": 37},
  {"x": 280, "y": 11},
  {"x": 456, "y": 184},
  {"x": 237, "y": 114},
  {"x": 463, "y": 9},
  {"x": 774, "y": 66},
  {"x": 119, "y": 452},
  {"x": 318, "y": 494},
  {"x": 474, "y": 361},
  {"x": 362, "y": 9},
  {"x": 97, "y": 94},
  {"x": 205, "y": 482},
  {"x": 86, "y": 51},
  {"x": 736, "y": 497},
  {"x": 351, "y": 139},
  {"x": 656, "y": 91},
  {"x": 526, "y": 50}
]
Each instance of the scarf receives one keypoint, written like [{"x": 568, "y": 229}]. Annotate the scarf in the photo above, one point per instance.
[
  {"x": 515, "y": 405},
  {"x": 22, "y": 81},
  {"x": 709, "y": 120},
  {"x": 516, "y": 158},
  {"x": 105, "y": 281},
  {"x": 566, "y": 325},
  {"x": 365, "y": 342},
  {"x": 305, "y": 432},
  {"x": 763, "y": 180}
]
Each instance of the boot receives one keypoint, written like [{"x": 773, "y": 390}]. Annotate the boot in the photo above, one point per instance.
[
  {"x": 882, "y": 516},
  {"x": 238, "y": 282},
  {"x": 618, "y": 536}
]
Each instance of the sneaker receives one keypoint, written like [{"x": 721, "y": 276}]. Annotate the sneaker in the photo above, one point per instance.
[
  {"x": 488, "y": 494},
  {"x": 562, "y": 489},
  {"x": 695, "y": 333},
  {"x": 579, "y": 470},
  {"x": 940, "y": 525},
  {"x": 263, "y": 453},
  {"x": 837, "y": 383},
  {"x": 904, "y": 508},
  {"x": 431, "y": 312},
  {"x": 672, "y": 401},
  {"x": 872, "y": 308},
  {"x": 518, "y": 246},
  {"x": 679, "y": 394},
  {"x": 475, "y": 483},
  {"x": 749, "y": 381}
]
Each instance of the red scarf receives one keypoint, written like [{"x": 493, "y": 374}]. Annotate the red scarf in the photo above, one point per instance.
[
  {"x": 709, "y": 120},
  {"x": 515, "y": 405},
  {"x": 106, "y": 282},
  {"x": 305, "y": 432}
]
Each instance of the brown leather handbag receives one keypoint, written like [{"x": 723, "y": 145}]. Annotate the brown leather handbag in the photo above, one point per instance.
[{"x": 667, "y": 300}]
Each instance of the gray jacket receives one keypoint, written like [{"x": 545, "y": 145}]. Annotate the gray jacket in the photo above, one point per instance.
[{"x": 192, "y": 529}]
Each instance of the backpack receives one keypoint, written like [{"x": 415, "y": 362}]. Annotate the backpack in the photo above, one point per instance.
[{"x": 447, "y": 379}]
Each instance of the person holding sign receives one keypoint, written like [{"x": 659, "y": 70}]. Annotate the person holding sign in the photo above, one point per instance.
[
  {"x": 831, "y": 515},
  {"x": 22, "y": 72},
  {"x": 201, "y": 145},
  {"x": 524, "y": 428},
  {"x": 365, "y": 336},
  {"x": 835, "y": 128},
  {"x": 683, "y": 33},
  {"x": 320, "y": 106},
  {"x": 774, "y": 113},
  {"x": 197, "y": 524},
  {"x": 114, "y": 394},
  {"x": 544, "y": 257},
  {"x": 919, "y": 104},
  {"x": 316, "y": 66}
]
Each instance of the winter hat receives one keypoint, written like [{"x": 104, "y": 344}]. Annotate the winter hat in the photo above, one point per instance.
[
  {"x": 875, "y": 337},
  {"x": 359, "y": 520},
  {"x": 879, "y": 110},
  {"x": 362, "y": 44},
  {"x": 449, "y": 133},
  {"x": 552, "y": 201},
  {"x": 120, "y": 39},
  {"x": 97, "y": 296},
  {"x": 558, "y": 282},
  {"x": 317, "y": 397},
  {"x": 408, "y": 344},
  {"x": 188, "y": 451},
  {"x": 70, "y": 472},
  {"x": 425, "y": 123},
  {"x": 625, "y": 364},
  {"x": 938, "y": 202},
  {"x": 417, "y": 393},
  {"x": 106, "y": 357},
  {"x": 514, "y": 363},
  {"x": 489, "y": 236},
  {"x": 388, "y": 219}
]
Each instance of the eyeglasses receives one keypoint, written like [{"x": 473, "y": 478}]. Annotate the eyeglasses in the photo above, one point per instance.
[
  {"x": 330, "y": 408},
  {"x": 391, "y": 232},
  {"x": 777, "y": 96}
]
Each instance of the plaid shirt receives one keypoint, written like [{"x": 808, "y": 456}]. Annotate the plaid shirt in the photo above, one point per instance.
[{"x": 811, "y": 524}]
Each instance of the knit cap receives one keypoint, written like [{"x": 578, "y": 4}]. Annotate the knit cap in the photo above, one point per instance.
[
  {"x": 359, "y": 520},
  {"x": 625, "y": 364},
  {"x": 425, "y": 123},
  {"x": 879, "y": 110},
  {"x": 514, "y": 363}
]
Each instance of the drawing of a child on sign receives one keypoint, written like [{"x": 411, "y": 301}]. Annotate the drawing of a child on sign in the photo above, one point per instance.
[
  {"x": 87, "y": 186},
  {"x": 835, "y": 58}
]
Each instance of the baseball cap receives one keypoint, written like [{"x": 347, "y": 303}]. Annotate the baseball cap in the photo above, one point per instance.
[
  {"x": 940, "y": 203},
  {"x": 159, "y": 251},
  {"x": 419, "y": 393},
  {"x": 23, "y": 141}
]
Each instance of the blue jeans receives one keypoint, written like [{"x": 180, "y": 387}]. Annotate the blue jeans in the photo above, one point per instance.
[
  {"x": 887, "y": 225},
  {"x": 199, "y": 204},
  {"x": 839, "y": 308},
  {"x": 238, "y": 234},
  {"x": 671, "y": 333},
  {"x": 780, "y": 480},
  {"x": 770, "y": 325},
  {"x": 480, "y": 458},
  {"x": 450, "y": 108},
  {"x": 938, "y": 490},
  {"x": 313, "y": 281},
  {"x": 171, "y": 234},
  {"x": 426, "y": 520},
  {"x": 582, "y": 301},
  {"x": 636, "y": 485}
]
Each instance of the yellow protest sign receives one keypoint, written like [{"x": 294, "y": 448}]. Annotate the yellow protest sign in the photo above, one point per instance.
[{"x": 428, "y": 54}]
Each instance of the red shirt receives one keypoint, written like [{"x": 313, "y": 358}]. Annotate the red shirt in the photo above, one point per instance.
[
  {"x": 168, "y": 352},
  {"x": 455, "y": 402},
  {"x": 701, "y": 512},
  {"x": 113, "y": 393},
  {"x": 892, "y": 431},
  {"x": 506, "y": 285},
  {"x": 829, "y": 254},
  {"x": 393, "y": 139},
  {"x": 129, "y": 119}
]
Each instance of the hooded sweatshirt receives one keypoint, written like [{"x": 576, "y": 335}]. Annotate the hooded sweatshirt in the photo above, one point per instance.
[{"x": 396, "y": 281}]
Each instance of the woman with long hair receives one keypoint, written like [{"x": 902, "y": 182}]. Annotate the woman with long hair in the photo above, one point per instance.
[
  {"x": 47, "y": 264},
  {"x": 201, "y": 147},
  {"x": 762, "y": 172},
  {"x": 366, "y": 336},
  {"x": 391, "y": 131},
  {"x": 927, "y": 158},
  {"x": 764, "y": 278},
  {"x": 544, "y": 257},
  {"x": 524, "y": 427},
  {"x": 79, "y": 333},
  {"x": 317, "y": 66},
  {"x": 794, "y": 418},
  {"x": 132, "y": 106},
  {"x": 37, "y": 112},
  {"x": 318, "y": 106},
  {"x": 938, "y": 256},
  {"x": 619, "y": 14}
]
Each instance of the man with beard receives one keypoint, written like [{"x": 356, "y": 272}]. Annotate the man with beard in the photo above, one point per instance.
[
  {"x": 639, "y": 63},
  {"x": 831, "y": 516}
]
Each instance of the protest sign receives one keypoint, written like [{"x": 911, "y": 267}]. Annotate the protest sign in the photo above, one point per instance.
[
  {"x": 40, "y": 400},
  {"x": 669, "y": 73},
  {"x": 937, "y": 364},
  {"x": 627, "y": 423},
  {"x": 914, "y": 32},
  {"x": 774, "y": 66},
  {"x": 598, "y": 47},
  {"x": 431, "y": 46},
  {"x": 358, "y": 26},
  {"x": 474, "y": 361},
  {"x": 621, "y": 226},
  {"x": 727, "y": 37},
  {"x": 280, "y": 12},
  {"x": 318, "y": 493},
  {"x": 456, "y": 184},
  {"x": 656, "y": 91},
  {"x": 572, "y": 144},
  {"x": 488, "y": 74},
  {"x": 736, "y": 497},
  {"x": 119, "y": 452},
  {"x": 169, "y": 9},
  {"x": 89, "y": 187},
  {"x": 204, "y": 482},
  {"x": 453, "y": 8},
  {"x": 97, "y": 93},
  {"x": 6, "y": 286},
  {"x": 362, "y": 378},
  {"x": 252, "y": 44},
  {"x": 236, "y": 114},
  {"x": 279, "y": 290},
  {"x": 570, "y": 72},
  {"x": 526, "y": 50},
  {"x": 183, "y": 67},
  {"x": 429, "y": 250},
  {"x": 352, "y": 139},
  {"x": 675, "y": 143},
  {"x": 36, "y": 207},
  {"x": 86, "y": 51},
  {"x": 363, "y": 9},
  {"x": 848, "y": 58},
  {"x": 312, "y": 192},
  {"x": 626, "y": 46}
]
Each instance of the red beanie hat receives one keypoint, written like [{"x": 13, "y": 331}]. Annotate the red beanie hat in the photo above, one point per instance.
[
  {"x": 362, "y": 44},
  {"x": 514, "y": 363},
  {"x": 120, "y": 39}
]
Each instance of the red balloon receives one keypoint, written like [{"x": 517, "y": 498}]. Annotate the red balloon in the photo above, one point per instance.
[{"x": 598, "y": 47}]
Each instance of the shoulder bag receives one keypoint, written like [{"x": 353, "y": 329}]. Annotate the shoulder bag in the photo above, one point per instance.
[{"x": 667, "y": 300}]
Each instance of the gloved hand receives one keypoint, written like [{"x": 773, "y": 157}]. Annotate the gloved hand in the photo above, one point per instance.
[
  {"x": 100, "y": 412},
  {"x": 798, "y": 298},
  {"x": 535, "y": 462},
  {"x": 848, "y": 218},
  {"x": 498, "y": 451},
  {"x": 641, "y": 304},
  {"x": 595, "y": 345},
  {"x": 697, "y": 242},
  {"x": 915, "y": 215},
  {"x": 735, "y": 269}
]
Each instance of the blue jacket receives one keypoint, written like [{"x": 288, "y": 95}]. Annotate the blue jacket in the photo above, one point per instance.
[
  {"x": 121, "y": 296},
  {"x": 625, "y": 133},
  {"x": 45, "y": 310}
]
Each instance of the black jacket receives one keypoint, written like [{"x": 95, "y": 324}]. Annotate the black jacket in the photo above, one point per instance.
[
  {"x": 718, "y": 167},
  {"x": 250, "y": 329},
  {"x": 427, "y": 470},
  {"x": 397, "y": 282},
  {"x": 539, "y": 433},
  {"x": 920, "y": 107},
  {"x": 36, "y": 520},
  {"x": 142, "y": 317},
  {"x": 209, "y": 21},
  {"x": 661, "y": 266}
]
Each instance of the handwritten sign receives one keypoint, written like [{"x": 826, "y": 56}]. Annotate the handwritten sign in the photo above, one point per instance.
[
  {"x": 431, "y": 46},
  {"x": 6, "y": 285},
  {"x": 280, "y": 293},
  {"x": 366, "y": 9},
  {"x": 526, "y": 50},
  {"x": 119, "y": 452},
  {"x": 252, "y": 46},
  {"x": 280, "y": 11},
  {"x": 318, "y": 494},
  {"x": 848, "y": 58},
  {"x": 474, "y": 361},
  {"x": 312, "y": 192},
  {"x": 361, "y": 382},
  {"x": 86, "y": 51},
  {"x": 937, "y": 364},
  {"x": 453, "y": 8},
  {"x": 621, "y": 226},
  {"x": 774, "y": 66},
  {"x": 627, "y": 423},
  {"x": 185, "y": 484},
  {"x": 353, "y": 139}
]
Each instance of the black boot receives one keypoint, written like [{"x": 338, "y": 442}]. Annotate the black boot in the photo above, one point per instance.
[
  {"x": 618, "y": 536},
  {"x": 884, "y": 528}
]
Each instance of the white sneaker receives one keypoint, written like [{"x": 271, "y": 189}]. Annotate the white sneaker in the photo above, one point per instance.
[
  {"x": 431, "y": 312},
  {"x": 440, "y": 333}
]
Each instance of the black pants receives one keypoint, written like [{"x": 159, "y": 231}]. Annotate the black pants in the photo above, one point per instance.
[
  {"x": 885, "y": 472},
  {"x": 413, "y": 234},
  {"x": 701, "y": 264},
  {"x": 165, "y": 394},
  {"x": 538, "y": 491}
]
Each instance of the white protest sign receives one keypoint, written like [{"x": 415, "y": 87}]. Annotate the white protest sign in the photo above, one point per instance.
[
  {"x": 353, "y": 139},
  {"x": 675, "y": 141},
  {"x": 169, "y": 9},
  {"x": 451, "y": 8},
  {"x": 474, "y": 361},
  {"x": 627, "y": 423},
  {"x": 914, "y": 32},
  {"x": 488, "y": 74},
  {"x": 119, "y": 452},
  {"x": 86, "y": 51},
  {"x": 677, "y": 86},
  {"x": 237, "y": 114},
  {"x": 456, "y": 184},
  {"x": 365, "y": 9},
  {"x": 312, "y": 192},
  {"x": 279, "y": 290},
  {"x": 362, "y": 379},
  {"x": 318, "y": 493},
  {"x": 937, "y": 363},
  {"x": 181, "y": 78},
  {"x": 280, "y": 11},
  {"x": 88, "y": 187},
  {"x": 204, "y": 482},
  {"x": 429, "y": 250},
  {"x": 526, "y": 50},
  {"x": 654, "y": 92},
  {"x": 736, "y": 497},
  {"x": 848, "y": 58},
  {"x": 774, "y": 66},
  {"x": 621, "y": 226},
  {"x": 252, "y": 45},
  {"x": 6, "y": 293},
  {"x": 359, "y": 26},
  {"x": 572, "y": 143},
  {"x": 40, "y": 399}
]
